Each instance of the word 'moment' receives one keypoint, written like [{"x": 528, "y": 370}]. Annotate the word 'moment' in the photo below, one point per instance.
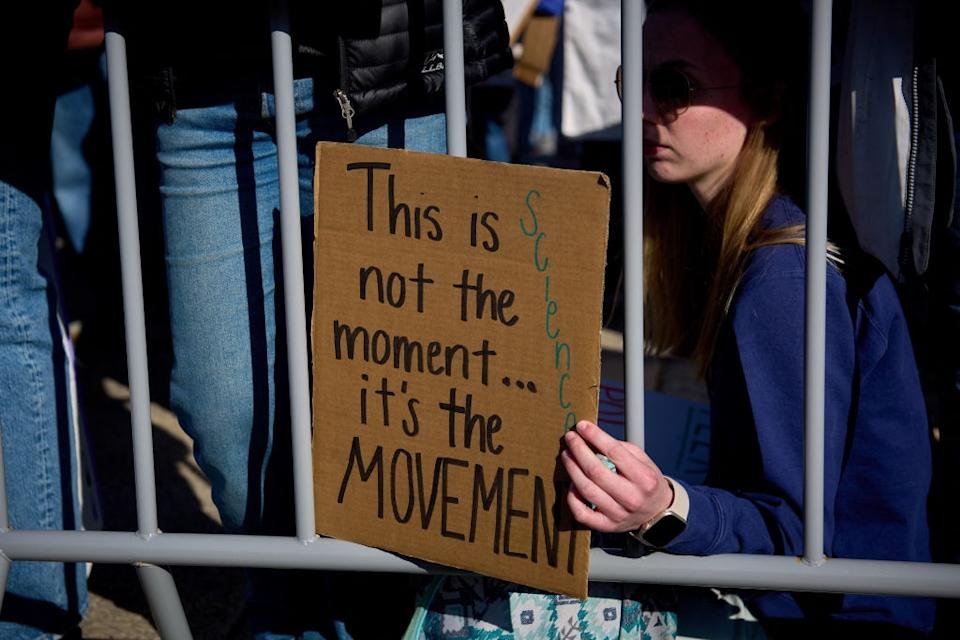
[{"x": 409, "y": 355}]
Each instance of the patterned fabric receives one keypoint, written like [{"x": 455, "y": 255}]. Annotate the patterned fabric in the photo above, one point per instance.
[{"x": 472, "y": 608}]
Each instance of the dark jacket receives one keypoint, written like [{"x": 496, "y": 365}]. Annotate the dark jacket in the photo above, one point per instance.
[
  {"x": 383, "y": 54},
  {"x": 876, "y": 443}
]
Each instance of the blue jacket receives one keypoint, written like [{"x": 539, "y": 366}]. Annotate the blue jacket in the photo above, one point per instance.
[{"x": 877, "y": 460}]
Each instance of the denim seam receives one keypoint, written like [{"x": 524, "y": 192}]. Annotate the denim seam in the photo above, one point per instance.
[
  {"x": 20, "y": 325},
  {"x": 6, "y": 239}
]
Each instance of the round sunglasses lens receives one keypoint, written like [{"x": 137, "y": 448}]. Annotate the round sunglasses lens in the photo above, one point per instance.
[{"x": 670, "y": 90}]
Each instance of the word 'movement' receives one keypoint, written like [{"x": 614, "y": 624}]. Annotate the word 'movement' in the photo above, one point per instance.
[{"x": 422, "y": 485}]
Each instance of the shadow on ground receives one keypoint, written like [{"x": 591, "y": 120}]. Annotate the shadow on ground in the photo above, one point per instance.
[{"x": 212, "y": 597}]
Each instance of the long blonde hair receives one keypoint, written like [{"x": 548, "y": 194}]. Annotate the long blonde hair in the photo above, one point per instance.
[{"x": 694, "y": 260}]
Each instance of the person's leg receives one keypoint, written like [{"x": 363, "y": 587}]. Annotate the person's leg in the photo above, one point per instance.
[
  {"x": 73, "y": 120},
  {"x": 309, "y": 604},
  {"x": 219, "y": 192},
  {"x": 41, "y": 597},
  {"x": 218, "y": 189}
]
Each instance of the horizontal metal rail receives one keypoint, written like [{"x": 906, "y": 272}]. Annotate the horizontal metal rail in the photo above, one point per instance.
[{"x": 727, "y": 570}]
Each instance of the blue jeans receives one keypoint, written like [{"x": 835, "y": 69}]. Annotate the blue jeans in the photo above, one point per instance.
[
  {"x": 42, "y": 598},
  {"x": 220, "y": 196},
  {"x": 72, "y": 167}
]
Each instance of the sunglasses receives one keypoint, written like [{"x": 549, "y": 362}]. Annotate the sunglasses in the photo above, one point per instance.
[{"x": 671, "y": 90}]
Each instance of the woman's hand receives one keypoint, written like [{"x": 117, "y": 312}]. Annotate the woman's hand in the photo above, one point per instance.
[{"x": 624, "y": 500}]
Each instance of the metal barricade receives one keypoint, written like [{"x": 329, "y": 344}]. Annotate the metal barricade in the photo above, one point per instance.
[{"x": 148, "y": 549}]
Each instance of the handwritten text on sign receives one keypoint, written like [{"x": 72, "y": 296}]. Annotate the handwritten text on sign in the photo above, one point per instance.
[{"x": 455, "y": 338}]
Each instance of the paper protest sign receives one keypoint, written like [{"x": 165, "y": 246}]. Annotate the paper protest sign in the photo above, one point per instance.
[{"x": 455, "y": 336}]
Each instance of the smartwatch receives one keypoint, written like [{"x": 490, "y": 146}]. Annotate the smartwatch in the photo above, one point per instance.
[{"x": 664, "y": 527}]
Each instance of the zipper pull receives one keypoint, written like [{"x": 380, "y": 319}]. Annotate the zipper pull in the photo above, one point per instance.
[{"x": 346, "y": 110}]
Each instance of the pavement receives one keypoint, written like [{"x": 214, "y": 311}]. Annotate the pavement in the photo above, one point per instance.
[{"x": 212, "y": 597}]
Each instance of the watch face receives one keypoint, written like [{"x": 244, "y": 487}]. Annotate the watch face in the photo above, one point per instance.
[{"x": 664, "y": 530}]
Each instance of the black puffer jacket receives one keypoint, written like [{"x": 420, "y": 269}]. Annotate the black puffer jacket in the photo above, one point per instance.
[
  {"x": 383, "y": 54},
  {"x": 404, "y": 60}
]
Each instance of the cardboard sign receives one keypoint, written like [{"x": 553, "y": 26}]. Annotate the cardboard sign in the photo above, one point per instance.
[
  {"x": 539, "y": 41},
  {"x": 456, "y": 335},
  {"x": 517, "y": 13}
]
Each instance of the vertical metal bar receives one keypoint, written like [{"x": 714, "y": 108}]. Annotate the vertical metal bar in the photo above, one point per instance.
[
  {"x": 160, "y": 587},
  {"x": 632, "y": 48},
  {"x": 819, "y": 145},
  {"x": 165, "y": 606},
  {"x": 121, "y": 130},
  {"x": 454, "y": 84},
  {"x": 4, "y": 571},
  {"x": 293, "y": 271}
]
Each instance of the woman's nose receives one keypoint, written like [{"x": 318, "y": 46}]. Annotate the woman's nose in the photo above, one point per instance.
[{"x": 648, "y": 108}]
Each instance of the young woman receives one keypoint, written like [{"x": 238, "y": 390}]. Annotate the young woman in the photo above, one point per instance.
[{"x": 725, "y": 286}]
